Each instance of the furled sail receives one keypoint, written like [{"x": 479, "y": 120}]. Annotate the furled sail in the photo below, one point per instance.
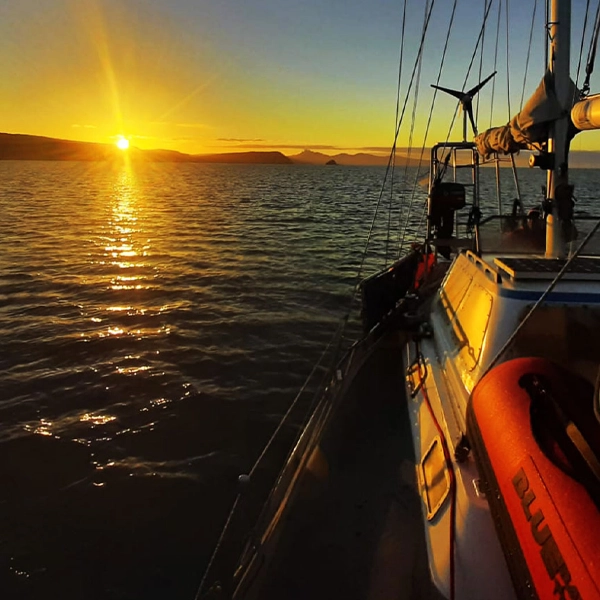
[{"x": 530, "y": 126}]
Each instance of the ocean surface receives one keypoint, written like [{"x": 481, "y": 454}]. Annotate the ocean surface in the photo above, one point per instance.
[{"x": 156, "y": 323}]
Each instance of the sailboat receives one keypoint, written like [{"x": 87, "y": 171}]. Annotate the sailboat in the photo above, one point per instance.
[{"x": 454, "y": 451}]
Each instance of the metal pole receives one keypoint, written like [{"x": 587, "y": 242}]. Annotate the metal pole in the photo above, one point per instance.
[
  {"x": 517, "y": 186},
  {"x": 498, "y": 186},
  {"x": 558, "y": 176}
]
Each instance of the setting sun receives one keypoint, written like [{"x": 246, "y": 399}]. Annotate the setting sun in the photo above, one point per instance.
[{"x": 122, "y": 143}]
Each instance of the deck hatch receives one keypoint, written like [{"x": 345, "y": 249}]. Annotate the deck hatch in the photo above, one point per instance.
[
  {"x": 582, "y": 268},
  {"x": 435, "y": 479}
]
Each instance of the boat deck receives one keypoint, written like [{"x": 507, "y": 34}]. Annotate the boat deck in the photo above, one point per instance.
[
  {"x": 362, "y": 537},
  {"x": 542, "y": 268}
]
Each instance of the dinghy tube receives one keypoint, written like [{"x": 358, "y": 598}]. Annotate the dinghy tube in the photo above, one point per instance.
[{"x": 536, "y": 442}]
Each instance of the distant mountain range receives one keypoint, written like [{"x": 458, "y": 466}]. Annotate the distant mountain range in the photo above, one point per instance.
[
  {"x": 308, "y": 157},
  {"x": 33, "y": 147}
]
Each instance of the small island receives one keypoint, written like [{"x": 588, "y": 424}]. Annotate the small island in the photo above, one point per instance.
[{"x": 331, "y": 162}]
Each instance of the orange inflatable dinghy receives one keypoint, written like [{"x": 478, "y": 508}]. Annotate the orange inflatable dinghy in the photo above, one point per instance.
[{"x": 536, "y": 441}]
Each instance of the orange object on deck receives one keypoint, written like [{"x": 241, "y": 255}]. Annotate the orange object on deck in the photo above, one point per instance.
[{"x": 426, "y": 263}]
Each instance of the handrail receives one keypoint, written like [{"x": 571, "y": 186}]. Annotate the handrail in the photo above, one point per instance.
[{"x": 245, "y": 480}]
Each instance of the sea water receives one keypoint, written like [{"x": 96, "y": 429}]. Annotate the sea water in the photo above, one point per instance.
[{"x": 156, "y": 322}]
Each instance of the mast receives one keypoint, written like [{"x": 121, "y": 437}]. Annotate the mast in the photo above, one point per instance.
[{"x": 558, "y": 141}]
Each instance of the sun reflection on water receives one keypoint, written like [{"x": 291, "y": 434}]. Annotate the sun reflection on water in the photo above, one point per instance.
[
  {"x": 124, "y": 227},
  {"x": 123, "y": 261},
  {"x": 97, "y": 419}
]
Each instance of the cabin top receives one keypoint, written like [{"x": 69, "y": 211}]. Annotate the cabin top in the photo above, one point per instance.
[
  {"x": 519, "y": 268},
  {"x": 481, "y": 304}
]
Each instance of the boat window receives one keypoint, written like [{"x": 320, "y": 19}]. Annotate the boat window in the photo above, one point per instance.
[
  {"x": 472, "y": 322},
  {"x": 453, "y": 291},
  {"x": 435, "y": 479},
  {"x": 467, "y": 307}
]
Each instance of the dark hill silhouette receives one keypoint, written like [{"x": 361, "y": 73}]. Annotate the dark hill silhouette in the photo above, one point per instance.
[
  {"x": 360, "y": 159},
  {"x": 243, "y": 157},
  {"x": 33, "y": 147},
  {"x": 578, "y": 159},
  {"x": 15, "y": 146}
]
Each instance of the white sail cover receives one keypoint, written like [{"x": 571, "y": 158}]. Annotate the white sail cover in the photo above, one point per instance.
[
  {"x": 530, "y": 126},
  {"x": 586, "y": 114}
]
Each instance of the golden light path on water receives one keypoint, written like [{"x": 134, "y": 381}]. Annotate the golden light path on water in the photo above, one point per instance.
[
  {"x": 127, "y": 249},
  {"x": 122, "y": 269}
]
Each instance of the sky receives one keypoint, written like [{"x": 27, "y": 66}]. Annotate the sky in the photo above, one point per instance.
[{"x": 204, "y": 76}]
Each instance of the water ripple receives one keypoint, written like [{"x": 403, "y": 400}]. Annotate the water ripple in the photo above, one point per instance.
[{"x": 156, "y": 323}]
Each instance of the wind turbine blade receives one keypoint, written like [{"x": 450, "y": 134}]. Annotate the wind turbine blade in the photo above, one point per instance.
[
  {"x": 473, "y": 91},
  {"x": 469, "y": 109},
  {"x": 454, "y": 93}
]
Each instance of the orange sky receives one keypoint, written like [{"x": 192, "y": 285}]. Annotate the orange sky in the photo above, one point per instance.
[
  {"x": 204, "y": 76},
  {"x": 91, "y": 70}
]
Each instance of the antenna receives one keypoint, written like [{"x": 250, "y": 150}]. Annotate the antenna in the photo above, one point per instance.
[{"x": 466, "y": 102}]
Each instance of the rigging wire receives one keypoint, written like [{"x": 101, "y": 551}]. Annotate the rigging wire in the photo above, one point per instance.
[
  {"x": 392, "y": 153},
  {"x": 585, "y": 22},
  {"x": 480, "y": 77},
  {"x": 495, "y": 61},
  {"x": 401, "y": 62},
  {"x": 546, "y": 45},
  {"x": 507, "y": 8},
  {"x": 414, "y": 111},
  {"x": 592, "y": 53},
  {"x": 411, "y": 135},
  {"x": 429, "y": 119},
  {"x": 399, "y": 87},
  {"x": 479, "y": 37},
  {"x": 529, "y": 53}
]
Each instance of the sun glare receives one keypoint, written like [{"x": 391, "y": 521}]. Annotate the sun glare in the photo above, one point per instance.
[{"x": 122, "y": 143}]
